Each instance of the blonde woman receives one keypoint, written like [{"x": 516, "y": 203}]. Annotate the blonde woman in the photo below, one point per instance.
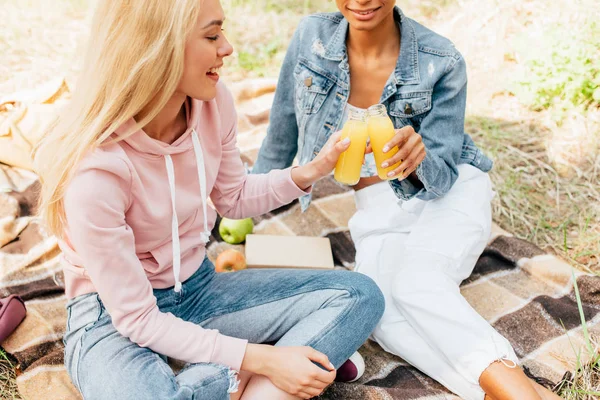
[{"x": 127, "y": 171}]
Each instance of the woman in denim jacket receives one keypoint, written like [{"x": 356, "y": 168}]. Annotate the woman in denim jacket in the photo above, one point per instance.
[{"x": 420, "y": 235}]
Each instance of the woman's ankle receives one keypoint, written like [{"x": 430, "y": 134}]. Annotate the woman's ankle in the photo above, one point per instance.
[
  {"x": 545, "y": 393},
  {"x": 500, "y": 381}
]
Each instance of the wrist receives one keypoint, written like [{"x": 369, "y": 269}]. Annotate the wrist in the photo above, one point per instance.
[
  {"x": 255, "y": 358},
  {"x": 305, "y": 176}
]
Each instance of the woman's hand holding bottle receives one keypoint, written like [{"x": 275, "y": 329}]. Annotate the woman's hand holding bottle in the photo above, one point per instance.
[
  {"x": 322, "y": 165},
  {"x": 411, "y": 152}
]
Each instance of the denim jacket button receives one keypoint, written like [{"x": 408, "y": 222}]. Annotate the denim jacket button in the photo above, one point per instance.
[
  {"x": 308, "y": 81},
  {"x": 408, "y": 109}
]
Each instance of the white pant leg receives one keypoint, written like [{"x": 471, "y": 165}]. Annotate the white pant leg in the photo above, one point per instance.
[
  {"x": 419, "y": 252},
  {"x": 395, "y": 334}
]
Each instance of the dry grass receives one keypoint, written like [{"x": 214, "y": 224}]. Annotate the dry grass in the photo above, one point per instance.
[
  {"x": 8, "y": 384},
  {"x": 535, "y": 200},
  {"x": 546, "y": 174},
  {"x": 584, "y": 384}
]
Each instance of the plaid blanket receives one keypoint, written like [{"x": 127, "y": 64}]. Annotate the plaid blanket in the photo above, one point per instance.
[{"x": 524, "y": 292}]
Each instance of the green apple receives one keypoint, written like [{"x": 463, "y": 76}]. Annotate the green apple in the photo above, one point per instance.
[{"x": 234, "y": 231}]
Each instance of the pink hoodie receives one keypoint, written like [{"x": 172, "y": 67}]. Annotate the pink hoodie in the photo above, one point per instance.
[{"x": 124, "y": 238}]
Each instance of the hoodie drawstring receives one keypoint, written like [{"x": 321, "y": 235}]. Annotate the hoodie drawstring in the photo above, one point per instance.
[
  {"x": 202, "y": 181},
  {"x": 174, "y": 224},
  {"x": 205, "y": 235}
]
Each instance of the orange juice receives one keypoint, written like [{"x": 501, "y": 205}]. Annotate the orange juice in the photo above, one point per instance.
[
  {"x": 347, "y": 169},
  {"x": 381, "y": 131}
]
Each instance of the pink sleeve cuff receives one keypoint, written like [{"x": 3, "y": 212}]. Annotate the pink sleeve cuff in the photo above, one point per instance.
[
  {"x": 229, "y": 351},
  {"x": 285, "y": 187}
]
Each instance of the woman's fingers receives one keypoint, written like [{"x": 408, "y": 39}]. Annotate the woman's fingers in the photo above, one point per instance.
[
  {"x": 342, "y": 146},
  {"x": 311, "y": 389},
  {"x": 413, "y": 165},
  {"x": 310, "y": 393},
  {"x": 320, "y": 358},
  {"x": 401, "y": 136},
  {"x": 404, "y": 151},
  {"x": 418, "y": 162},
  {"x": 335, "y": 136},
  {"x": 335, "y": 146},
  {"x": 410, "y": 163},
  {"x": 324, "y": 378},
  {"x": 333, "y": 139}
]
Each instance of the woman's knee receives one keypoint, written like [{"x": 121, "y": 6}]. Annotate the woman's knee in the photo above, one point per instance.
[
  {"x": 213, "y": 381},
  {"x": 365, "y": 288},
  {"x": 367, "y": 294}
]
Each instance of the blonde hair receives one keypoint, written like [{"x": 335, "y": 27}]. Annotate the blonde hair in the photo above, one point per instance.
[{"x": 133, "y": 64}]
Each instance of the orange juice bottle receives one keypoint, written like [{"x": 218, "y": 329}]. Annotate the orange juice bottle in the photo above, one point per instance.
[
  {"x": 381, "y": 131},
  {"x": 347, "y": 169}
]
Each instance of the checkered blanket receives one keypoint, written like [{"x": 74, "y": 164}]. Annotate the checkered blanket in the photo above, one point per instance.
[{"x": 524, "y": 292}]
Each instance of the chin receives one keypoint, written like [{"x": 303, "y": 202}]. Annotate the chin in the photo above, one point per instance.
[
  {"x": 364, "y": 25},
  {"x": 205, "y": 94}
]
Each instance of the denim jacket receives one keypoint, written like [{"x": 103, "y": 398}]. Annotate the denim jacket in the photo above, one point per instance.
[{"x": 427, "y": 90}]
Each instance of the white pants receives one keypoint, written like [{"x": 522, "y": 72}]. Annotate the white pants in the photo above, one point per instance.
[{"x": 419, "y": 252}]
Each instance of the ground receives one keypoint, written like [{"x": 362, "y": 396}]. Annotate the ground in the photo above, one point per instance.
[{"x": 547, "y": 163}]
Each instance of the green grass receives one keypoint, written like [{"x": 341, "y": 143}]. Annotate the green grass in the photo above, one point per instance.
[
  {"x": 8, "y": 385},
  {"x": 584, "y": 384},
  {"x": 563, "y": 73}
]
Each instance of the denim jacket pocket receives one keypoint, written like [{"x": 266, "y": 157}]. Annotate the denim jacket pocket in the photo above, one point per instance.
[
  {"x": 407, "y": 105},
  {"x": 409, "y": 108},
  {"x": 311, "y": 88}
]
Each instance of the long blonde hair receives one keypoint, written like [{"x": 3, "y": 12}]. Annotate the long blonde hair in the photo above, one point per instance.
[{"x": 133, "y": 64}]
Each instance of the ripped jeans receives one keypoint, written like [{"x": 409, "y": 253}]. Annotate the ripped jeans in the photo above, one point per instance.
[{"x": 332, "y": 311}]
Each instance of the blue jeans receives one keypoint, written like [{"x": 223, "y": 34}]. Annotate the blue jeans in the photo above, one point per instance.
[{"x": 332, "y": 311}]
